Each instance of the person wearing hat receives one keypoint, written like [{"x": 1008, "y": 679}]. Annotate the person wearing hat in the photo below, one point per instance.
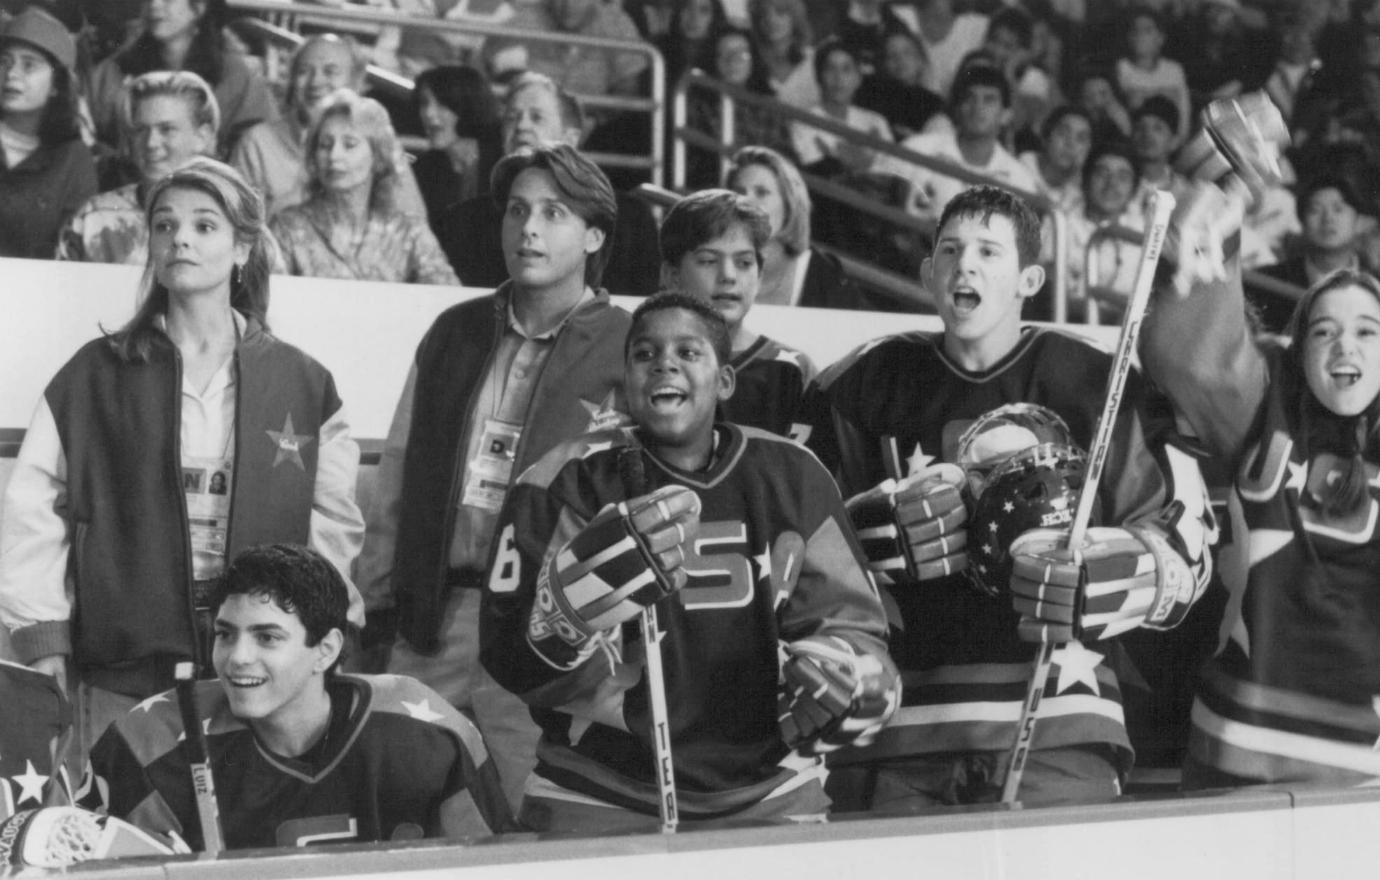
[{"x": 46, "y": 171}]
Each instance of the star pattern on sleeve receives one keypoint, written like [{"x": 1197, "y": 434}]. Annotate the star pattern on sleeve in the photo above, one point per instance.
[
  {"x": 421, "y": 710},
  {"x": 31, "y": 784},
  {"x": 1077, "y": 665}
]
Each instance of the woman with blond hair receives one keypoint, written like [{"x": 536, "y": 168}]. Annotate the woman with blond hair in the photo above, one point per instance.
[
  {"x": 350, "y": 226},
  {"x": 782, "y": 31},
  {"x": 114, "y": 536}
]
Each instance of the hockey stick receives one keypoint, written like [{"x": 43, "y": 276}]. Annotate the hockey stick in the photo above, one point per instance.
[
  {"x": 198, "y": 758},
  {"x": 1153, "y": 243},
  {"x": 634, "y": 484}
]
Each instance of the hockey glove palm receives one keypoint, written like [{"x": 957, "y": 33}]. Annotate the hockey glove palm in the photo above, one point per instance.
[
  {"x": 916, "y": 529},
  {"x": 1118, "y": 580},
  {"x": 631, "y": 555},
  {"x": 833, "y": 695}
]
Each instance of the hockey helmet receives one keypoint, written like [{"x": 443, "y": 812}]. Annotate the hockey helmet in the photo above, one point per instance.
[
  {"x": 999, "y": 434},
  {"x": 1035, "y": 488}
]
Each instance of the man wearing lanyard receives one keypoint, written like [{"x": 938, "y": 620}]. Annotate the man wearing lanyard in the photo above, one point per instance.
[{"x": 497, "y": 382}]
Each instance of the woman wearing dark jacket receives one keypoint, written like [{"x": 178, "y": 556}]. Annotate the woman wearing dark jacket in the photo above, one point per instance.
[
  {"x": 183, "y": 35},
  {"x": 46, "y": 172},
  {"x": 461, "y": 122}
]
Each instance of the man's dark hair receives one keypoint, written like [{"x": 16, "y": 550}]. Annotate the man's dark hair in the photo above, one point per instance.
[
  {"x": 974, "y": 74},
  {"x": 297, "y": 579},
  {"x": 828, "y": 47},
  {"x": 1119, "y": 148},
  {"x": 1342, "y": 183},
  {"x": 1058, "y": 115},
  {"x": 703, "y": 216},
  {"x": 1015, "y": 20},
  {"x": 1161, "y": 108},
  {"x": 581, "y": 184},
  {"x": 715, "y": 327},
  {"x": 986, "y": 202}
]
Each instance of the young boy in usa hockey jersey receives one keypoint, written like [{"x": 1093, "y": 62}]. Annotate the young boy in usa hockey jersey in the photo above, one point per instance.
[
  {"x": 773, "y": 649},
  {"x": 966, "y": 628},
  {"x": 299, "y": 752},
  {"x": 711, "y": 249},
  {"x": 1290, "y": 695}
]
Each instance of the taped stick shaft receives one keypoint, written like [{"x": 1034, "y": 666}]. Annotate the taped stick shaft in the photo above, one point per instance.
[
  {"x": 1122, "y": 358},
  {"x": 630, "y": 471},
  {"x": 198, "y": 760}
]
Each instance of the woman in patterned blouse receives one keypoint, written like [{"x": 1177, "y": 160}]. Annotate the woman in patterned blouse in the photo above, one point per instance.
[{"x": 350, "y": 226}]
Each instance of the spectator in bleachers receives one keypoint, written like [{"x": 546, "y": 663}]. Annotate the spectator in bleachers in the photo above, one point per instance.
[
  {"x": 537, "y": 113},
  {"x": 114, "y": 532},
  {"x": 579, "y": 69},
  {"x": 183, "y": 35},
  {"x": 782, "y": 32},
  {"x": 1096, "y": 91},
  {"x": 823, "y": 152},
  {"x": 1298, "y": 58},
  {"x": 948, "y": 37},
  {"x": 350, "y": 226},
  {"x": 1330, "y": 210},
  {"x": 46, "y": 172},
  {"x": 897, "y": 89},
  {"x": 170, "y": 118},
  {"x": 793, "y": 272},
  {"x": 732, "y": 56},
  {"x": 692, "y": 29},
  {"x": 1110, "y": 181},
  {"x": 1058, "y": 165},
  {"x": 1154, "y": 139},
  {"x": 1010, "y": 42},
  {"x": 1143, "y": 72},
  {"x": 1222, "y": 55},
  {"x": 980, "y": 106},
  {"x": 461, "y": 119},
  {"x": 272, "y": 156},
  {"x": 864, "y": 28}
]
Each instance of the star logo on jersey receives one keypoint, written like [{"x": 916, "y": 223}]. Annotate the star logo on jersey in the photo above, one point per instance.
[
  {"x": 31, "y": 784},
  {"x": 290, "y": 445},
  {"x": 147, "y": 705},
  {"x": 918, "y": 461},
  {"x": 422, "y": 710},
  {"x": 603, "y": 414},
  {"x": 591, "y": 448},
  {"x": 1298, "y": 477},
  {"x": 1077, "y": 665}
]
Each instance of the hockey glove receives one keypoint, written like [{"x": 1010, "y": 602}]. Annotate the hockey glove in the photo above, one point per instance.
[
  {"x": 914, "y": 530},
  {"x": 630, "y": 555},
  {"x": 1120, "y": 579},
  {"x": 834, "y": 696}
]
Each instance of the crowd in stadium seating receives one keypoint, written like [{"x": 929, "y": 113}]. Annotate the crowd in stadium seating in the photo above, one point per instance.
[{"x": 1081, "y": 107}]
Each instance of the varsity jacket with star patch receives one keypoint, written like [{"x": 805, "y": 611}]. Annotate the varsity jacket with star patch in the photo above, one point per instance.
[
  {"x": 775, "y": 560},
  {"x": 396, "y": 763},
  {"x": 405, "y": 560},
  {"x": 900, "y": 402},
  {"x": 1293, "y": 691},
  {"x": 95, "y": 552}
]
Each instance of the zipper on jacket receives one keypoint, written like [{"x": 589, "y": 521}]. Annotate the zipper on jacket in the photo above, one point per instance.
[{"x": 187, "y": 588}]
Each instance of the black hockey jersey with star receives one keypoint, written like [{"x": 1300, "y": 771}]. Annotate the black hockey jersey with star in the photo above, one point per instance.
[
  {"x": 775, "y": 560},
  {"x": 770, "y": 385},
  {"x": 898, "y": 404},
  {"x": 34, "y": 714},
  {"x": 397, "y": 763},
  {"x": 1293, "y": 691}
]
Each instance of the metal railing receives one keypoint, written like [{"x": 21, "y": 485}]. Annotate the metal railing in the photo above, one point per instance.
[
  {"x": 729, "y": 95},
  {"x": 653, "y": 106},
  {"x": 897, "y": 288},
  {"x": 1114, "y": 296}
]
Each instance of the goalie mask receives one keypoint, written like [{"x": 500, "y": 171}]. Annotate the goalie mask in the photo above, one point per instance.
[
  {"x": 1036, "y": 488},
  {"x": 998, "y": 435}
]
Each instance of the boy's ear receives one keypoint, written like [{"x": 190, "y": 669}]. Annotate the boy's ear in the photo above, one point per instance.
[
  {"x": 328, "y": 649},
  {"x": 1032, "y": 278},
  {"x": 594, "y": 239},
  {"x": 926, "y": 274},
  {"x": 728, "y": 381}
]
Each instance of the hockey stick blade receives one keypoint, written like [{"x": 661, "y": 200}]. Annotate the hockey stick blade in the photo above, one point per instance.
[
  {"x": 1153, "y": 243},
  {"x": 633, "y": 476},
  {"x": 198, "y": 759}
]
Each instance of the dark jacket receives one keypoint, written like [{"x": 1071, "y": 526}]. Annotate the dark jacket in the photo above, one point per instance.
[
  {"x": 39, "y": 194},
  {"x": 453, "y": 360}
]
